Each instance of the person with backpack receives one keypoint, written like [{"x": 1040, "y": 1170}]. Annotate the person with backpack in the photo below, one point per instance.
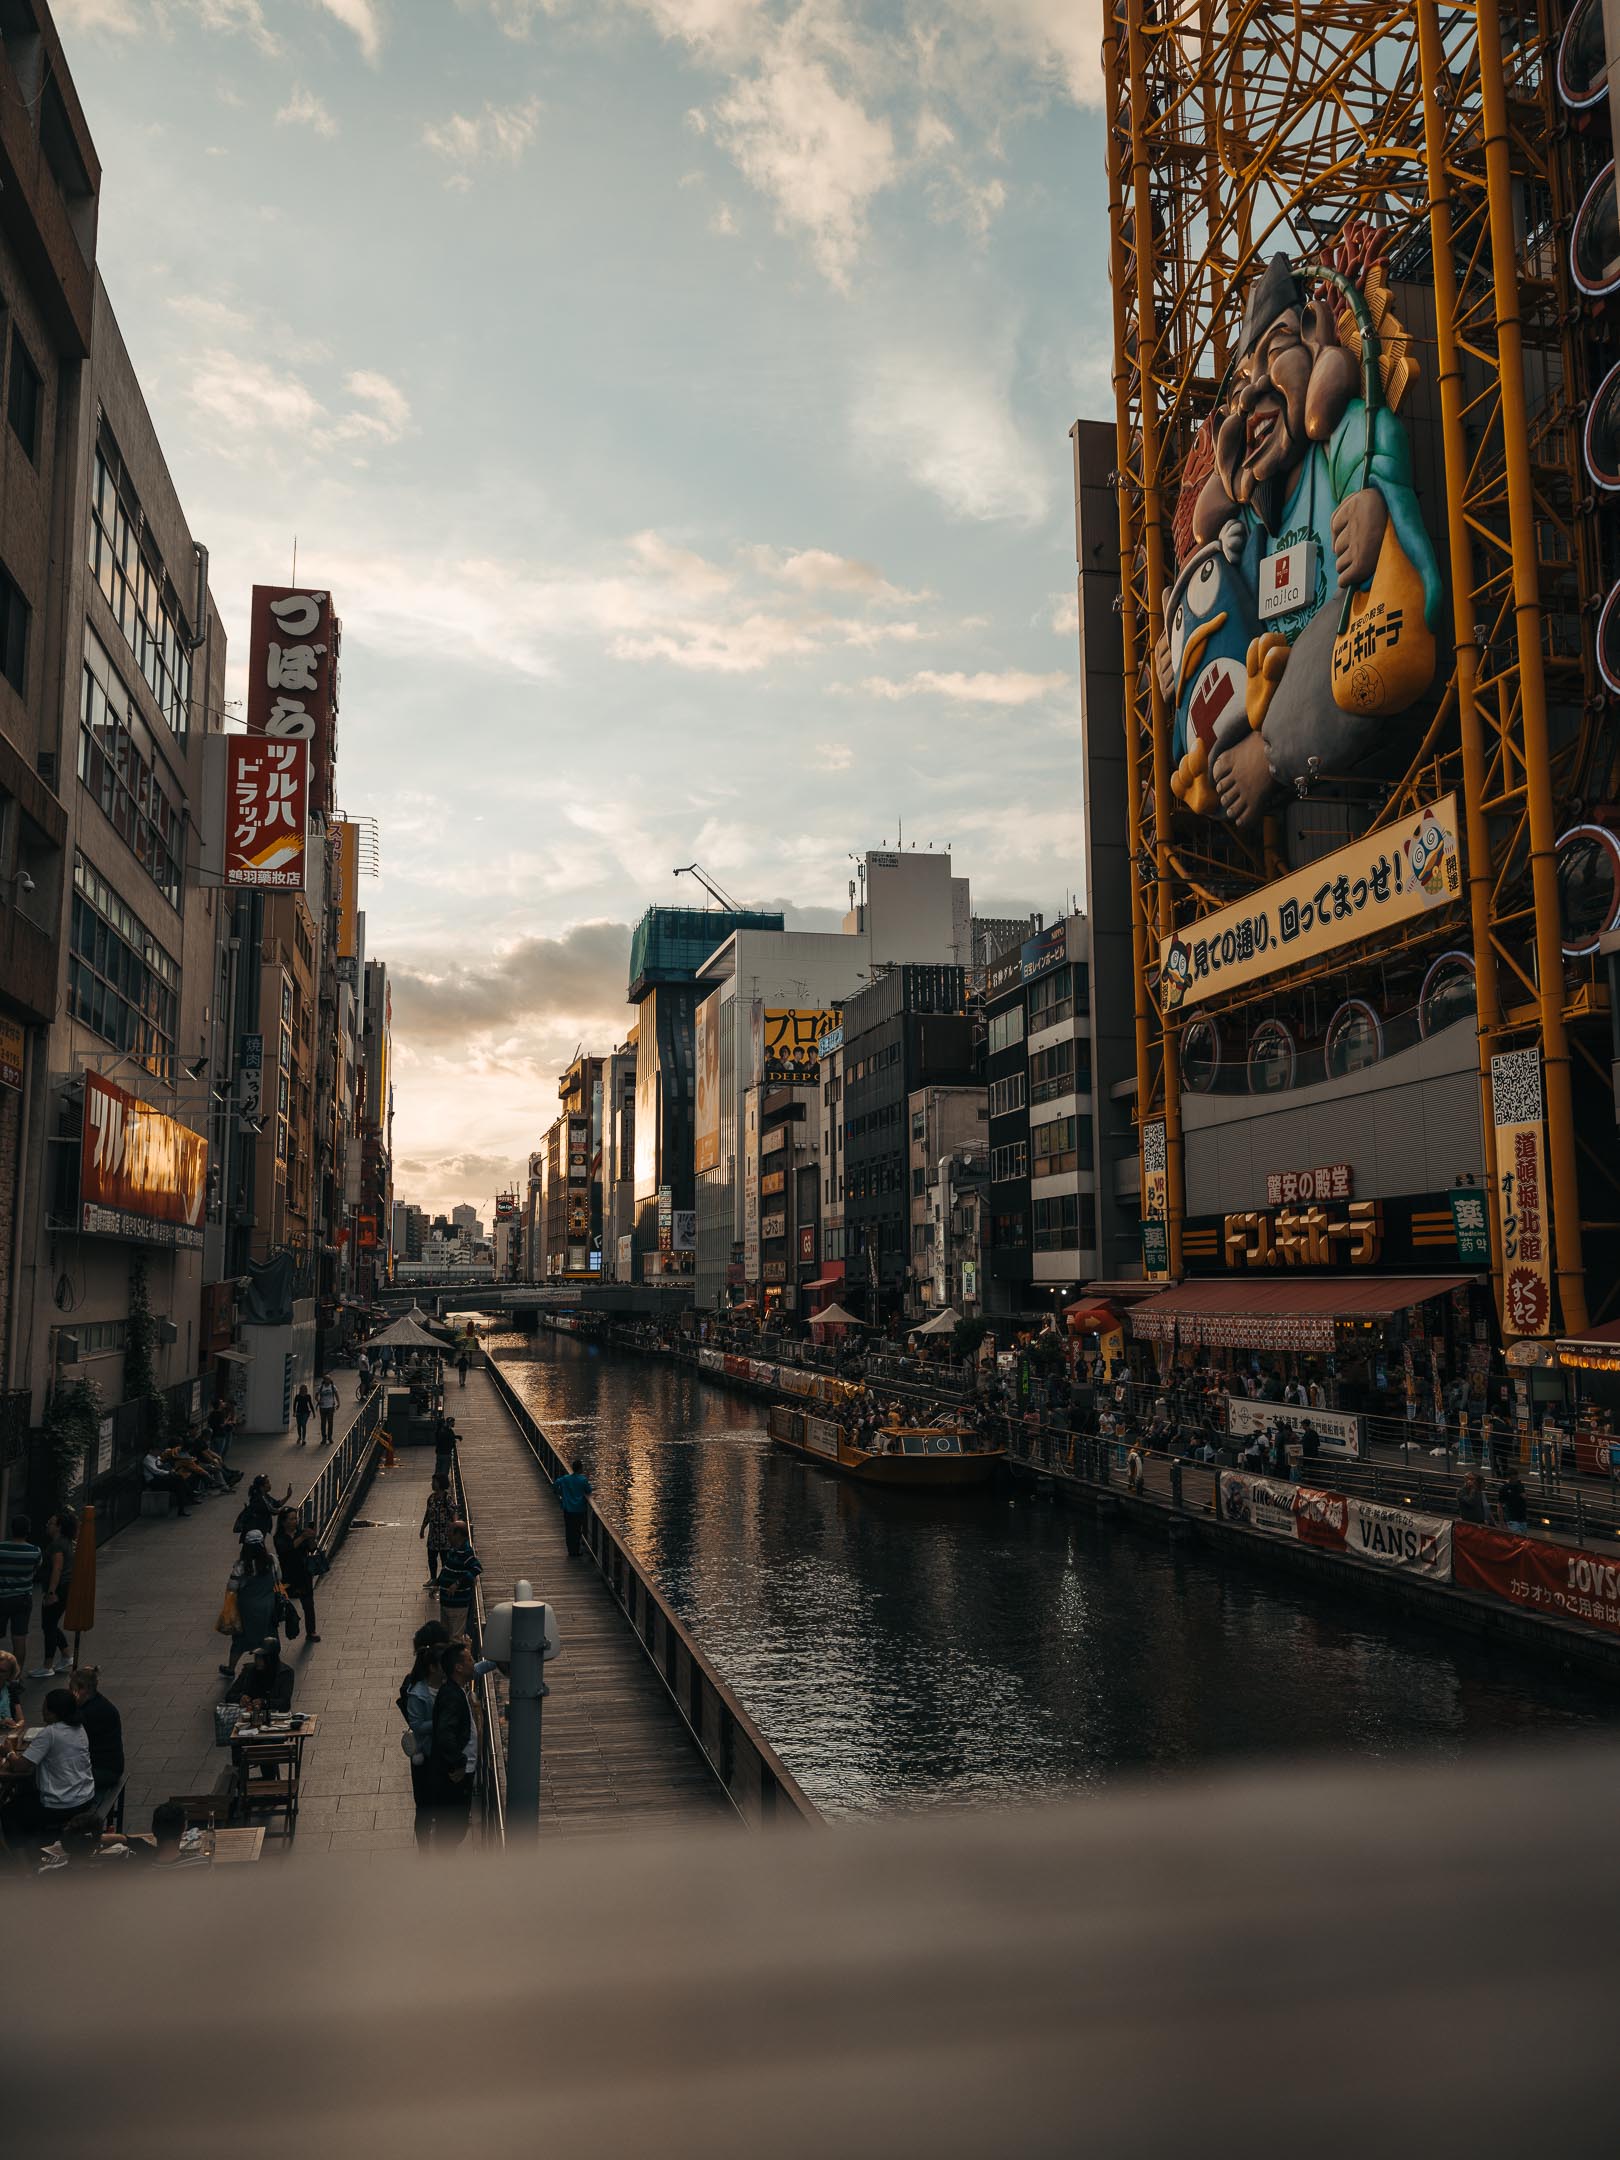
[
  {"x": 326, "y": 1401},
  {"x": 298, "y": 1553},
  {"x": 260, "y": 1509},
  {"x": 303, "y": 1411}
]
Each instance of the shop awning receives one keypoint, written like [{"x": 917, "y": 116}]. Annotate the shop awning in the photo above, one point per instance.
[
  {"x": 824, "y": 1282},
  {"x": 234, "y": 1357},
  {"x": 1296, "y": 1313},
  {"x": 1595, "y": 1349},
  {"x": 1087, "y": 1317}
]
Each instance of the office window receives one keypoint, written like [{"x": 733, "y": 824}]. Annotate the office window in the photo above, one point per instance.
[
  {"x": 27, "y": 395},
  {"x": 138, "y": 589},
  {"x": 1007, "y": 1163},
  {"x": 14, "y": 615},
  {"x": 919, "y": 1124},
  {"x": 122, "y": 985},
  {"x": 918, "y": 1181},
  {"x": 1066, "y": 1221},
  {"x": 1007, "y": 1095},
  {"x": 1006, "y": 1028},
  {"x": 1010, "y": 1232},
  {"x": 1051, "y": 1000},
  {"x": 1064, "y": 1069},
  {"x": 119, "y": 764}
]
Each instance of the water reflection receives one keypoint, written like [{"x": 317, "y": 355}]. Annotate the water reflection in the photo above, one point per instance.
[{"x": 911, "y": 1651}]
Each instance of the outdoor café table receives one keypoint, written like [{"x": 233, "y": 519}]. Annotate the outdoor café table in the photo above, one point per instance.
[
  {"x": 235, "y": 1847},
  {"x": 279, "y": 1729}
]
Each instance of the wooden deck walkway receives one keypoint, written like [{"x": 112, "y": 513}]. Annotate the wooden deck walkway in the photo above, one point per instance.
[{"x": 614, "y": 1752}]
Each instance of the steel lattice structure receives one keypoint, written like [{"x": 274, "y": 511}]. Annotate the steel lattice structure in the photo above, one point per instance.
[{"x": 1235, "y": 131}]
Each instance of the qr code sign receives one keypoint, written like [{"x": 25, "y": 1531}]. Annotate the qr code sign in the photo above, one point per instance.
[
  {"x": 1516, "y": 1087},
  {"x": 1154, "y": 1153}
]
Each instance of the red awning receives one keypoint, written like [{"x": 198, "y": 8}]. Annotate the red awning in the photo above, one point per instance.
[
  {"x": 1297, "y": 1313},
  {"x": 1605, "y": 1331},
  {"x": 1091, "y": 1318},
  {"x": 824, "y": 1282}
]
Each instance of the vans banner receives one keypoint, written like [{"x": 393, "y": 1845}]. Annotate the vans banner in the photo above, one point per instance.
[{"x": 1396, "y": 1538}]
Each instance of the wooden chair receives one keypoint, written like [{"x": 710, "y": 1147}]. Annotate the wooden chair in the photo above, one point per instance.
[
  {"x": 206, "y": 1807},
  {"x": 267, "y": 1780}
]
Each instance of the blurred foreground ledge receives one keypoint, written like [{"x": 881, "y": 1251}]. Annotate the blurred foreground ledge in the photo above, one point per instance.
[{"x": 1316, "y": 1961}]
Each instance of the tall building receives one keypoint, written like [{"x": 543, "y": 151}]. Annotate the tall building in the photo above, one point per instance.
[
  {"x": 375, "y": 1215},
  {"x": 667, "y": 949},
  {"x": 113, "y": 660},
  {"x": 465, "y": 1220},
  {"x": 908, "y": 1030},
  {"x": 619, "y": 1162},
  {"x": 570, "y": 1194},
  {"x": 947, "y": 1130},
  {"x": 1042, "y": 1193}
]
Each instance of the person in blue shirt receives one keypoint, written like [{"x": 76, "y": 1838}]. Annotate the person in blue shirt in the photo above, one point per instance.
[{"x": 573, "y": 1490}]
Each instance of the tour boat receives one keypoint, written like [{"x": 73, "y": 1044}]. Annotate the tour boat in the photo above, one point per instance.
[{"x": 927, "y": 1456}]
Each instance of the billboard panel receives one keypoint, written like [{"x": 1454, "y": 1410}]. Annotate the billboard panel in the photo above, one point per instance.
[
  {"x": 1521, "y": 1193},
  {"x": 791, "y": 1051},
  {"x": 293, "y": 676},
  {"x": 142, "y": 1174},
  {"x": 1360, "y": 891},
  {"x": 346, "y": 842},
  {"x": 266, "y": 813},
  {"x": 706, "y": 1135}
]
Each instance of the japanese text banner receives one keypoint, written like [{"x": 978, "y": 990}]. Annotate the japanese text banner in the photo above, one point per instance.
[
  {"x": 1360, "y": 891},
  {"x": 266, "y": 812},
  {"x": 1521, "y": 1194},
  {"x": 1551, "y": 1580}
]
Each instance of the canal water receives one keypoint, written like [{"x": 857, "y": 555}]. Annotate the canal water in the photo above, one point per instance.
[{"x": 902, "y": 1651}]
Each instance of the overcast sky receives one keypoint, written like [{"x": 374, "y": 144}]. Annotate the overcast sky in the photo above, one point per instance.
[{"x": 674, "y": 395}]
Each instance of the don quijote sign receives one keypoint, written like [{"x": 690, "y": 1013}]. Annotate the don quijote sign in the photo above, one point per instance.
[{"x": 142, "y": 1175}]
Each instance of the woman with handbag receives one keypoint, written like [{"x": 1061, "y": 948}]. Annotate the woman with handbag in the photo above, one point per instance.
[
  {"x": 252, "y": 1583},
  {"x": 295, "y": 1542}
]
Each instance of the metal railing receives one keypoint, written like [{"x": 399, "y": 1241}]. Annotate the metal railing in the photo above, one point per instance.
[
  {"x": 755, "y": 1780},
  {"x": 492, "y": 1757},
  {"x": 330, "y": 1502}
]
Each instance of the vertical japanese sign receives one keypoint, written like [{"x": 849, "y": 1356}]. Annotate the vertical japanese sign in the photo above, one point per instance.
[
  {"x": 12, "y": 1051},
  {"x": 293, "y": 677},
  {"x": 266, "y": 813},
  {"x": 346, "y": 843},
  {"x": 706, "y": 1135},
  {"x": 1155, "y": 1199},
  {"x": 1521, "y": 1188}
]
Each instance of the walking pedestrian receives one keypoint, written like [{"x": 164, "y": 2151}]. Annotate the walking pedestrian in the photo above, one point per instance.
[
  {"x": 1514, "y": 1502},
  {"x": 462, "y": 1364},
  {"x": 1472, "y": 1505},
  {"x": 326, "y": 1401},
  {"x": 417, "y": 1693},
  {"x": 460, "y": 1568},
  {"x": 362, "y": 1383},
  {"x": 452, "y": 1749},
  {"x": 303, "y": 1411},
  {"x": 253, "y": 1581},
  {"x": 573, "y": 1490},
  {"x": 56, "y": 1574},
  {"x": 50, "y": 1775},
  {"x": 103, "y": 1727},
  {"x": 437, "y": 1517},
  {"x": 296, "y": 1543},
  {"x": 259, "y": 1510},
  {"x": 19, "y": 1569}
]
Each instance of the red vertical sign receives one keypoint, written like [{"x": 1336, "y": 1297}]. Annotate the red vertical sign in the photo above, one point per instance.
[
  {"x": 266, "y": 813},
  {"x": 293, "y": 676}
]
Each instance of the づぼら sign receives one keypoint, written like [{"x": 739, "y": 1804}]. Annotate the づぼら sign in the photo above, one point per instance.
[{"x": 266, "y": 812}]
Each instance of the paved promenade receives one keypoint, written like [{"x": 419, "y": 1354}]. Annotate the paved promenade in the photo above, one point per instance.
[
  {"x": 614, "y": 1752},
  {"x": 160, "y": 1583}
]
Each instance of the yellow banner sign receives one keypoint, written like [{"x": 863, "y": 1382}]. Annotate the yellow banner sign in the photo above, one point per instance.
[
  {"x": 706, "y": 1138},
  {"x": 1359, "y": 891},
  {"x": 1521, "y": 1194}
]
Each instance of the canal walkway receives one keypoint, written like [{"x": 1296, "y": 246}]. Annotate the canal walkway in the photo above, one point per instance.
[
  {"x": 614, "y": 1752},
  {"x": 159, "y": 1586}
]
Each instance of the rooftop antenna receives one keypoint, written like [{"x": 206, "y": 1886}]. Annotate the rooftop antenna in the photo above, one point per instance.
[
  {"x": 295, "y": 559},
  {"x": 717, "y": 893}
]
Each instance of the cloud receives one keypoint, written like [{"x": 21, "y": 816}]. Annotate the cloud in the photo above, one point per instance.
[
  {"x": 577, "y": 980},
  {"x": 361, "y": 17},
  {"x": 384, "y": 412},
  {"x": 948, "y": 424},
  {"x": 130, "y": 18},
  {"x": 499, "y": 134},
  {"x": 723, "y": 220},
  {"x": 812, "y": 148},
  {"x": 304, "y": 109},
  {"x": 241, "y": 394},
  {"x": 1012, "y": 686},
  {"x": 248, "y": 402},
  {"x": 1064, "y": 620}
]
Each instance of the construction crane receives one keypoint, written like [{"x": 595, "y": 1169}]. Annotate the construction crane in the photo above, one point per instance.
[{"x": 717, "y": 893}]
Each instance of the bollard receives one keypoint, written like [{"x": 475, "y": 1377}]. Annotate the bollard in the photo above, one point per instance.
[
  {"x": 525, "y": 1691},
  {"x": 1175, "y": 1481}
]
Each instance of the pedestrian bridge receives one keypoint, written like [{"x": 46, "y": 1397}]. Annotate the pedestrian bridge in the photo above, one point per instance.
[{"x": 616, "y": 1300}]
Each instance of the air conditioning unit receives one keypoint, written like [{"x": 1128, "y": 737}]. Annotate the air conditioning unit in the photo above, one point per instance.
[
  {"x": 166, "y": 1331},
  {"x": 67, "y": 1347}
]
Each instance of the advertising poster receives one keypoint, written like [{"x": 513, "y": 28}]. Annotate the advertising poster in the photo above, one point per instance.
[
  {"x": 1257, "y": 1503},
  {"x": 142, "y": 1175},
  {"x": 791, "y": 1051},
  {"x": 706, "y": 1130},
  {"x": 266, "y": 813},
  {"x": 1338, "y": 1431},
  {"x": 1360, "y": 891},
  {"x": 1552, "y": 1580},
  {"x": 1521, "y": 1194},
  {"x": 11, "y": 1054},
  {"x": 346, "y": 845},
  {"x": 1155, "y": 1199},
  {"x": 1396, "y": 1538}
]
